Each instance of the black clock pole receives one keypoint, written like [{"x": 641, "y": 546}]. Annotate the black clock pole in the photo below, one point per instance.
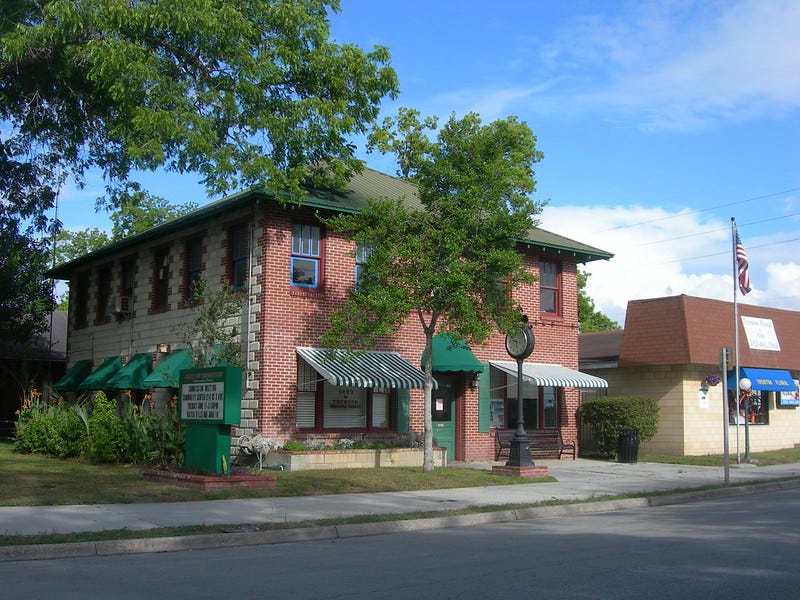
[{"x": 519, "y": 454}]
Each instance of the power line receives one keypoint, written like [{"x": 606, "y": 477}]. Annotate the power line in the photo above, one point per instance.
[
  {"x": 699, "y": 210},
  {"x": 706, "y": 232},
  {"x": 679, "y": 260}
]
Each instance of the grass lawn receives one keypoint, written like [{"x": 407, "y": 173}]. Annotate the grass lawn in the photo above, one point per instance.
[
  {"x": 33, "y": 480},
  {"x": 762, "y": 459}
]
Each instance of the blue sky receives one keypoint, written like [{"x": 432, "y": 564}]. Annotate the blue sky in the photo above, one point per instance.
[{"x": 659, "y": 121}]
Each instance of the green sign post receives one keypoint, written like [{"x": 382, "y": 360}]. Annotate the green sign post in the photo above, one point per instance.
[{"x": 210, "y": 402}]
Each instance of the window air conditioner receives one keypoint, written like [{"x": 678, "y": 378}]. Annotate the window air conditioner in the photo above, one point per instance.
[{"x": 119, "y": 305}]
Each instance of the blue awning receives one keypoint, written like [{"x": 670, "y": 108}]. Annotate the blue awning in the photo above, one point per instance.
[{"x": 774, "y": 380}]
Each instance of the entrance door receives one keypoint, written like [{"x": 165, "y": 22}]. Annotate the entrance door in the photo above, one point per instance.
[{"x": 443, "y": 415}]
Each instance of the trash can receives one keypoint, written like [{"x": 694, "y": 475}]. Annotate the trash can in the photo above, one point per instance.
[{"x": 627, "y": 445}]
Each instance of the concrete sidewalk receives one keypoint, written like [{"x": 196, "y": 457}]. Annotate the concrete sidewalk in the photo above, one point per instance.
[{"x": 576, "y": 480}]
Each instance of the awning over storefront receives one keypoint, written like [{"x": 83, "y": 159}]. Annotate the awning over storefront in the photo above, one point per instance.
[
  {"x": 100, "y": 376},
  {"x": 74, "y": 376},
  {"x": 775, "y": 380},
  {"x": 167, "y": 373},
  {"x": 551, "y": 375},
  {"x": 132, "y": 375},
  {"x": 452, "y": 356},
  {"x": 370, "y": 369}
]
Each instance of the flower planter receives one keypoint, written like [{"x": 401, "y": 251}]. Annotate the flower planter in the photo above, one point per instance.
[
  {"x": 210, "y": 482},
  {"x": 303, "y": 460}
]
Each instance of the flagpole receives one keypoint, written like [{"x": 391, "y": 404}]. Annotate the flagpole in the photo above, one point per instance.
[
  {"x": 742, "y": 275},
  {"x": 736, "y": 334}
]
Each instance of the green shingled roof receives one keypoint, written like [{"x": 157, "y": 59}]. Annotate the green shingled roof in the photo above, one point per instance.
[{"x": 362, "y": 187}]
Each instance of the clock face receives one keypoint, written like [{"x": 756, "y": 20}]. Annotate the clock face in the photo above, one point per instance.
[{"x": 520, "y": 344}]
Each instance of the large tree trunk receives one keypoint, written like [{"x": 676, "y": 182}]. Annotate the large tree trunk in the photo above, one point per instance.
[{"x": 427, "y": 434}]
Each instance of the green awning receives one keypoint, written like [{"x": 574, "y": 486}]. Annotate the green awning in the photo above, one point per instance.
[
  {"x": 74, "y": 376},
  {"x": 133, "y": 374},
  {"x": 372, "y": 369},
  {"x": 167, "y": 373},
  {"x": 449, "y": 355},
  {"x": 100, "y": 376}
]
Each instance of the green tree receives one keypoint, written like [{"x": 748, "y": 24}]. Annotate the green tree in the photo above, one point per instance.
[
  {"x": 141, "y": 211},
  {"x": 25, "y": 296},
  {"x": 448, "y": 257},
  {"x": 589, "y": 318},
  {"x": 74, "y": 244},
  {"x": 212, "y": 334},
  {"x": 245, "y": 92}
]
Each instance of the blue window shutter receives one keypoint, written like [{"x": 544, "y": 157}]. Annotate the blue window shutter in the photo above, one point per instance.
[
  {"x": 403, "y": 397},
  {"x": 484, "y": 413}
]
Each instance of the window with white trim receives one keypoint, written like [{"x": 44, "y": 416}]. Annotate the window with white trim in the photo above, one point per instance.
[{"x": 363, "y": 252}]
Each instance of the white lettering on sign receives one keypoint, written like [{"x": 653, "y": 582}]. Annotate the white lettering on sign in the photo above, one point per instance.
[
  {"x": 760, "y": 334},
  {"x": 203, "y": 401}
]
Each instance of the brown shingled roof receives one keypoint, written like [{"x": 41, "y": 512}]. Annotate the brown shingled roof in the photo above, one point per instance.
[
  {"x": 599, "y": 345},
  {"x": 690, "y": 330}
]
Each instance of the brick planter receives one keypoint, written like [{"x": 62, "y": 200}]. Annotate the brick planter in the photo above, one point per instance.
[
  {"x": 210, "y": 482},
  {"x": 303, "y": 460}
]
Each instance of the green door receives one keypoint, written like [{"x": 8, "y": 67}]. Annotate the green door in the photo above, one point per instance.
[{"x": 443, "y": 416}]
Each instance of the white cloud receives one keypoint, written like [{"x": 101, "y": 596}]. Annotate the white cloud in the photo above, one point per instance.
[
  {"x": 676, "y": 65},
  {"x": 661, "y": 253},
  {"x": 744, "y": 62}
]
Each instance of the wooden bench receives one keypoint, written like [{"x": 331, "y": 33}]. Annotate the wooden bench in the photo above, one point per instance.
[{"x": 542, "y": 442}]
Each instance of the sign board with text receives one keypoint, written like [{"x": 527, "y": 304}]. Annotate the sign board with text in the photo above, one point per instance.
[{"x": 211, "y": 395}]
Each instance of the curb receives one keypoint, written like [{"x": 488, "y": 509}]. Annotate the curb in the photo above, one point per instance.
[{"x": 332, "y": 532}]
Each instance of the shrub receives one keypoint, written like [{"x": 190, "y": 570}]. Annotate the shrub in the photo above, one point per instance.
[
  {"x": 55, "y": 430},
  {"x": 607, "y": 415},
  {"x": 34, "y": 428},
  {"x": 291, "y": 445},
  {"x": 107, "y": 436},
  {"x": 69, "y": 431},
  {"x": 140, "y": 429}
]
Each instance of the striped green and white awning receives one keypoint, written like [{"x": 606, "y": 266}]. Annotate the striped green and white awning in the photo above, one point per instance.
[
  {"x": 369, "y": 369},
  {"x": 549, "y": 375}
]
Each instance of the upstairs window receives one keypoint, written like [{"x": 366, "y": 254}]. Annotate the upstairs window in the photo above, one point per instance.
[
  {"x": 103, "y": 294},
  {"x": 80, "y": 295},
  {"x": 193, "y": 267},
  {"x": 549, "y": 287},
  {"x": 363, "y": 252},
  {"x": 306, "y": 256},
  {"x": 161, "y": 279},
  {"x": 237, "y": 250},
  {"x": 128, "y": 278}
]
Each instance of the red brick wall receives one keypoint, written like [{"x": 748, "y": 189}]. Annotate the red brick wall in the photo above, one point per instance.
[{"x": 291, "y": 317}]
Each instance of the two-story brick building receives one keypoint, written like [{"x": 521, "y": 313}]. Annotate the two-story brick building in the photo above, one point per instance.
[{"x": 128, "y": 299}]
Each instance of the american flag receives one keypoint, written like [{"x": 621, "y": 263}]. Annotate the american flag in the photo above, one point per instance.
[{"x": 742, "y": 266}]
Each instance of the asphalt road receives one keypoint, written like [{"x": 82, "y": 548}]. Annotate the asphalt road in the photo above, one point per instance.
[{"x": 741, "y": 547}]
